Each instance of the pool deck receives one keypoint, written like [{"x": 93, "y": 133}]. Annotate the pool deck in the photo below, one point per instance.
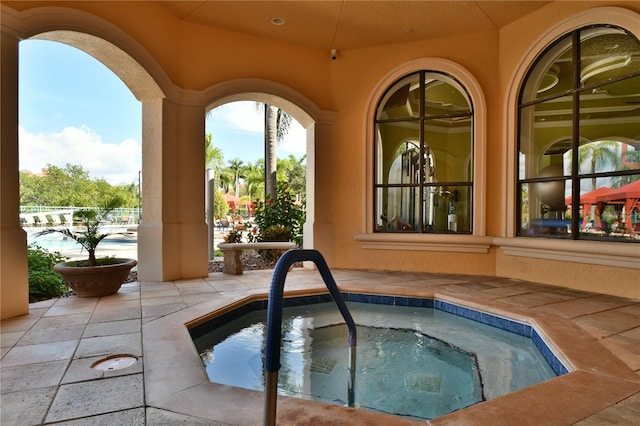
[{"x": 46, "y": 375}]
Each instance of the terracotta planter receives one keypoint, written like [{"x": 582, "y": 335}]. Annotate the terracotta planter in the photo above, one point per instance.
[{"x": 95, "y": 281}]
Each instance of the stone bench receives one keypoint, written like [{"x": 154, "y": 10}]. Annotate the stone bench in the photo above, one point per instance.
[{"x": 232, "y": 251}]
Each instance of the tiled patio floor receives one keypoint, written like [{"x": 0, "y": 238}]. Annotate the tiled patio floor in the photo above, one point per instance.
[{"x": 46, "y": 375}]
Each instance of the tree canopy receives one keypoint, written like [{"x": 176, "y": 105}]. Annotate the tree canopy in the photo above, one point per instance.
[
  {"x": 248, "y": 178},
  {"x": 72, "y": 186}
]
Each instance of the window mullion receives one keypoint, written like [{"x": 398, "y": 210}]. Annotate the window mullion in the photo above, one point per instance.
[
  {"x": 575, "y": 141},
  {"x": 421, "y": 162}
]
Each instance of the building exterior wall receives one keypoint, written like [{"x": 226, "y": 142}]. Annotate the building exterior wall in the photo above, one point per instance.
[
  {"x": 360, "y": 73},
  {"x": 187, "y": 60},
  {"x": 519, "y": 43}
]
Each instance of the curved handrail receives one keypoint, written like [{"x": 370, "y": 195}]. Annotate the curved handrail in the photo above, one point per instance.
[{"x": 274, "y": 324}]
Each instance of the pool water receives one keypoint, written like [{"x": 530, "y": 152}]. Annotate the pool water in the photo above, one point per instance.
[
  {"x": 428, "y": 364},
  {"x": 59, "y": 242}
]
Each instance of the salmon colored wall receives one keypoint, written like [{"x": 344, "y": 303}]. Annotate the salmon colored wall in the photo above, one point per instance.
[
  {"x": 623, "y": 282},
  {"x": 210, "y": 56},
  {"x": 196, "y": 57},
  {"x": 355, "y": 75},
  {"x": 516, "y": 40}
]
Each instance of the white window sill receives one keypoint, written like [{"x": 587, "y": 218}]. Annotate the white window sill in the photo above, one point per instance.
[
  {"x": 609, "y": 254},
  {"x": 426, "y": 242}
]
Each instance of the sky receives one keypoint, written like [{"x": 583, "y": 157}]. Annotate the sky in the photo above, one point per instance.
[{"x": 72, "y": 109}]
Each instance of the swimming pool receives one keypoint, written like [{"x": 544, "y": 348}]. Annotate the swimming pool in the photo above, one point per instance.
[
  {"x": 436, "y": 357},
  {"x": 121, "y": 242},
  {"x": 57, "y": 241}
]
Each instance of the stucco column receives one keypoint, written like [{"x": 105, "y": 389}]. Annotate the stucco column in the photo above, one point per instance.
[
  {"x": 172, "y": 236},
  {"x": 14, "y": 287},
  {"x": 318, "y": 229}
]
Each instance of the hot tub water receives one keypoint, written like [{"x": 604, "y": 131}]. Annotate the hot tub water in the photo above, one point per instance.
[{"x": 417, "y": 362}]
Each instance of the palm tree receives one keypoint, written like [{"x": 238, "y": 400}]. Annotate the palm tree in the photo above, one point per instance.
[
  {"x": 297, "y": 175},
  {"x": 213, "y": 156},
  {"x": 599, "y": 152},
  {"x": 254, "y": 177},
  {"x": 276, "y": 126},
  {"x": 630, "y": 160},
  {"x": 225, "y": 179},
  {"x": 632, "y": 156},
  {"x": 236, "y": 166}
]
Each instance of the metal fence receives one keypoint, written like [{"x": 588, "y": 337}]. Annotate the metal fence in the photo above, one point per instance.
[{"x": 60, "y": 215}]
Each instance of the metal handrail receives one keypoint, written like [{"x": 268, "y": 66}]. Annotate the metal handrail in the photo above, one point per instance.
[{"x": 274, "y": 325}]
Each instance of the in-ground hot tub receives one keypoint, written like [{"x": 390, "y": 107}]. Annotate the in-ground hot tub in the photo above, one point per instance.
[
  {"x": 415, "y": 357},
  {"x": 176, "y": 381}
]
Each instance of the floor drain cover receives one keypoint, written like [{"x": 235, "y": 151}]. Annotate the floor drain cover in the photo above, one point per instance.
[{"x": 115, "y": 362}]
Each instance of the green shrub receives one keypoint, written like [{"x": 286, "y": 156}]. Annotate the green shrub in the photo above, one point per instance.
[
  {"x": 276, "y": 233},
  {"x": 279, "y": 219},
  {"x": 234, "y": 236},
  {"x": 44, "y": 283},
  {"x": 220, "y": 206}
]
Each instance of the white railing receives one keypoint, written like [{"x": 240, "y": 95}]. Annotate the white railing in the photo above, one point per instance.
[{"x": 58, "y": 216}]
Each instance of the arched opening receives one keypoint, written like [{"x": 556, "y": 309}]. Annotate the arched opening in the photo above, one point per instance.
[
  {"x": 299, "y": 115},
  {"x": 172, "y": 236},
  {"x": 236, "y": 157},
  {"x": 123, "y": 60},
  {"x": 144, "y": 89},
  {"x": 80, "y": 145}
]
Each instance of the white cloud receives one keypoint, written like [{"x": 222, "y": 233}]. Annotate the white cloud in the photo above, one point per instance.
[
  {"x": 115, "y": 162},
  {"x": 241, "y": 115},
  {"x": 295, "y": 142},
  {"x": 245, "y": 116}
]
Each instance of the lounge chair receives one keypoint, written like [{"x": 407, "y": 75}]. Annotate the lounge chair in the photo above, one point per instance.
[
  {"x": 222, "y": 223},
  {"x": 26, "y": 220},
  {"x": 40, "y": 220},
  {"x": 53, "y": 220}
]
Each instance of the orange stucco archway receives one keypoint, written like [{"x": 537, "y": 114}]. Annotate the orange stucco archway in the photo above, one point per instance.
[
  {"x": 172, "y": 238},
  {"x": 317, "y": 124},
  {"x": 169, "y": 237}
]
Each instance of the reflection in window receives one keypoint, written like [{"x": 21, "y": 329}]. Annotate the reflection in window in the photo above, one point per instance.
[
  {"x": 424, "y": 156},
  {"x": 579, "y": 139}
]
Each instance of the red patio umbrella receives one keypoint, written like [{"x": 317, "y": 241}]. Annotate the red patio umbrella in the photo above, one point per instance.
[
  {"x": 250, "y": 206},
  {"x": 233, "y": 201},
  {"x": 587, "y": 200},
  {"x": 628, "y": 194}
]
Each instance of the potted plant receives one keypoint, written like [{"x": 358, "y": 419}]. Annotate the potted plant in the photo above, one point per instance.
[{"x": 92, "y": 277}]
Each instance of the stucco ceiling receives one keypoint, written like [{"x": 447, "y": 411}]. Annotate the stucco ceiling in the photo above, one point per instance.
[{"x": 352, "y": 24}]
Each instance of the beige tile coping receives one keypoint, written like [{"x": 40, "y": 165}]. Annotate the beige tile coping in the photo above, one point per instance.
[{"x": 175, "y": 378}]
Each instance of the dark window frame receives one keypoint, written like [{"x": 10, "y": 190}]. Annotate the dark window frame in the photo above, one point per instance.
[
  {"x": 575, "y": 176},
  {"x": 421, "y": 119}
]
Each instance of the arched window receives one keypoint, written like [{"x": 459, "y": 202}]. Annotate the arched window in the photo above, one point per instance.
[
  {"x": 424, "y": 156},
  {"x": 578, "y": 165}
]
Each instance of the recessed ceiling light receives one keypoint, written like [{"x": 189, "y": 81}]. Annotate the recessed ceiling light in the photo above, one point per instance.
[{"x": 277, "y": 21}]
